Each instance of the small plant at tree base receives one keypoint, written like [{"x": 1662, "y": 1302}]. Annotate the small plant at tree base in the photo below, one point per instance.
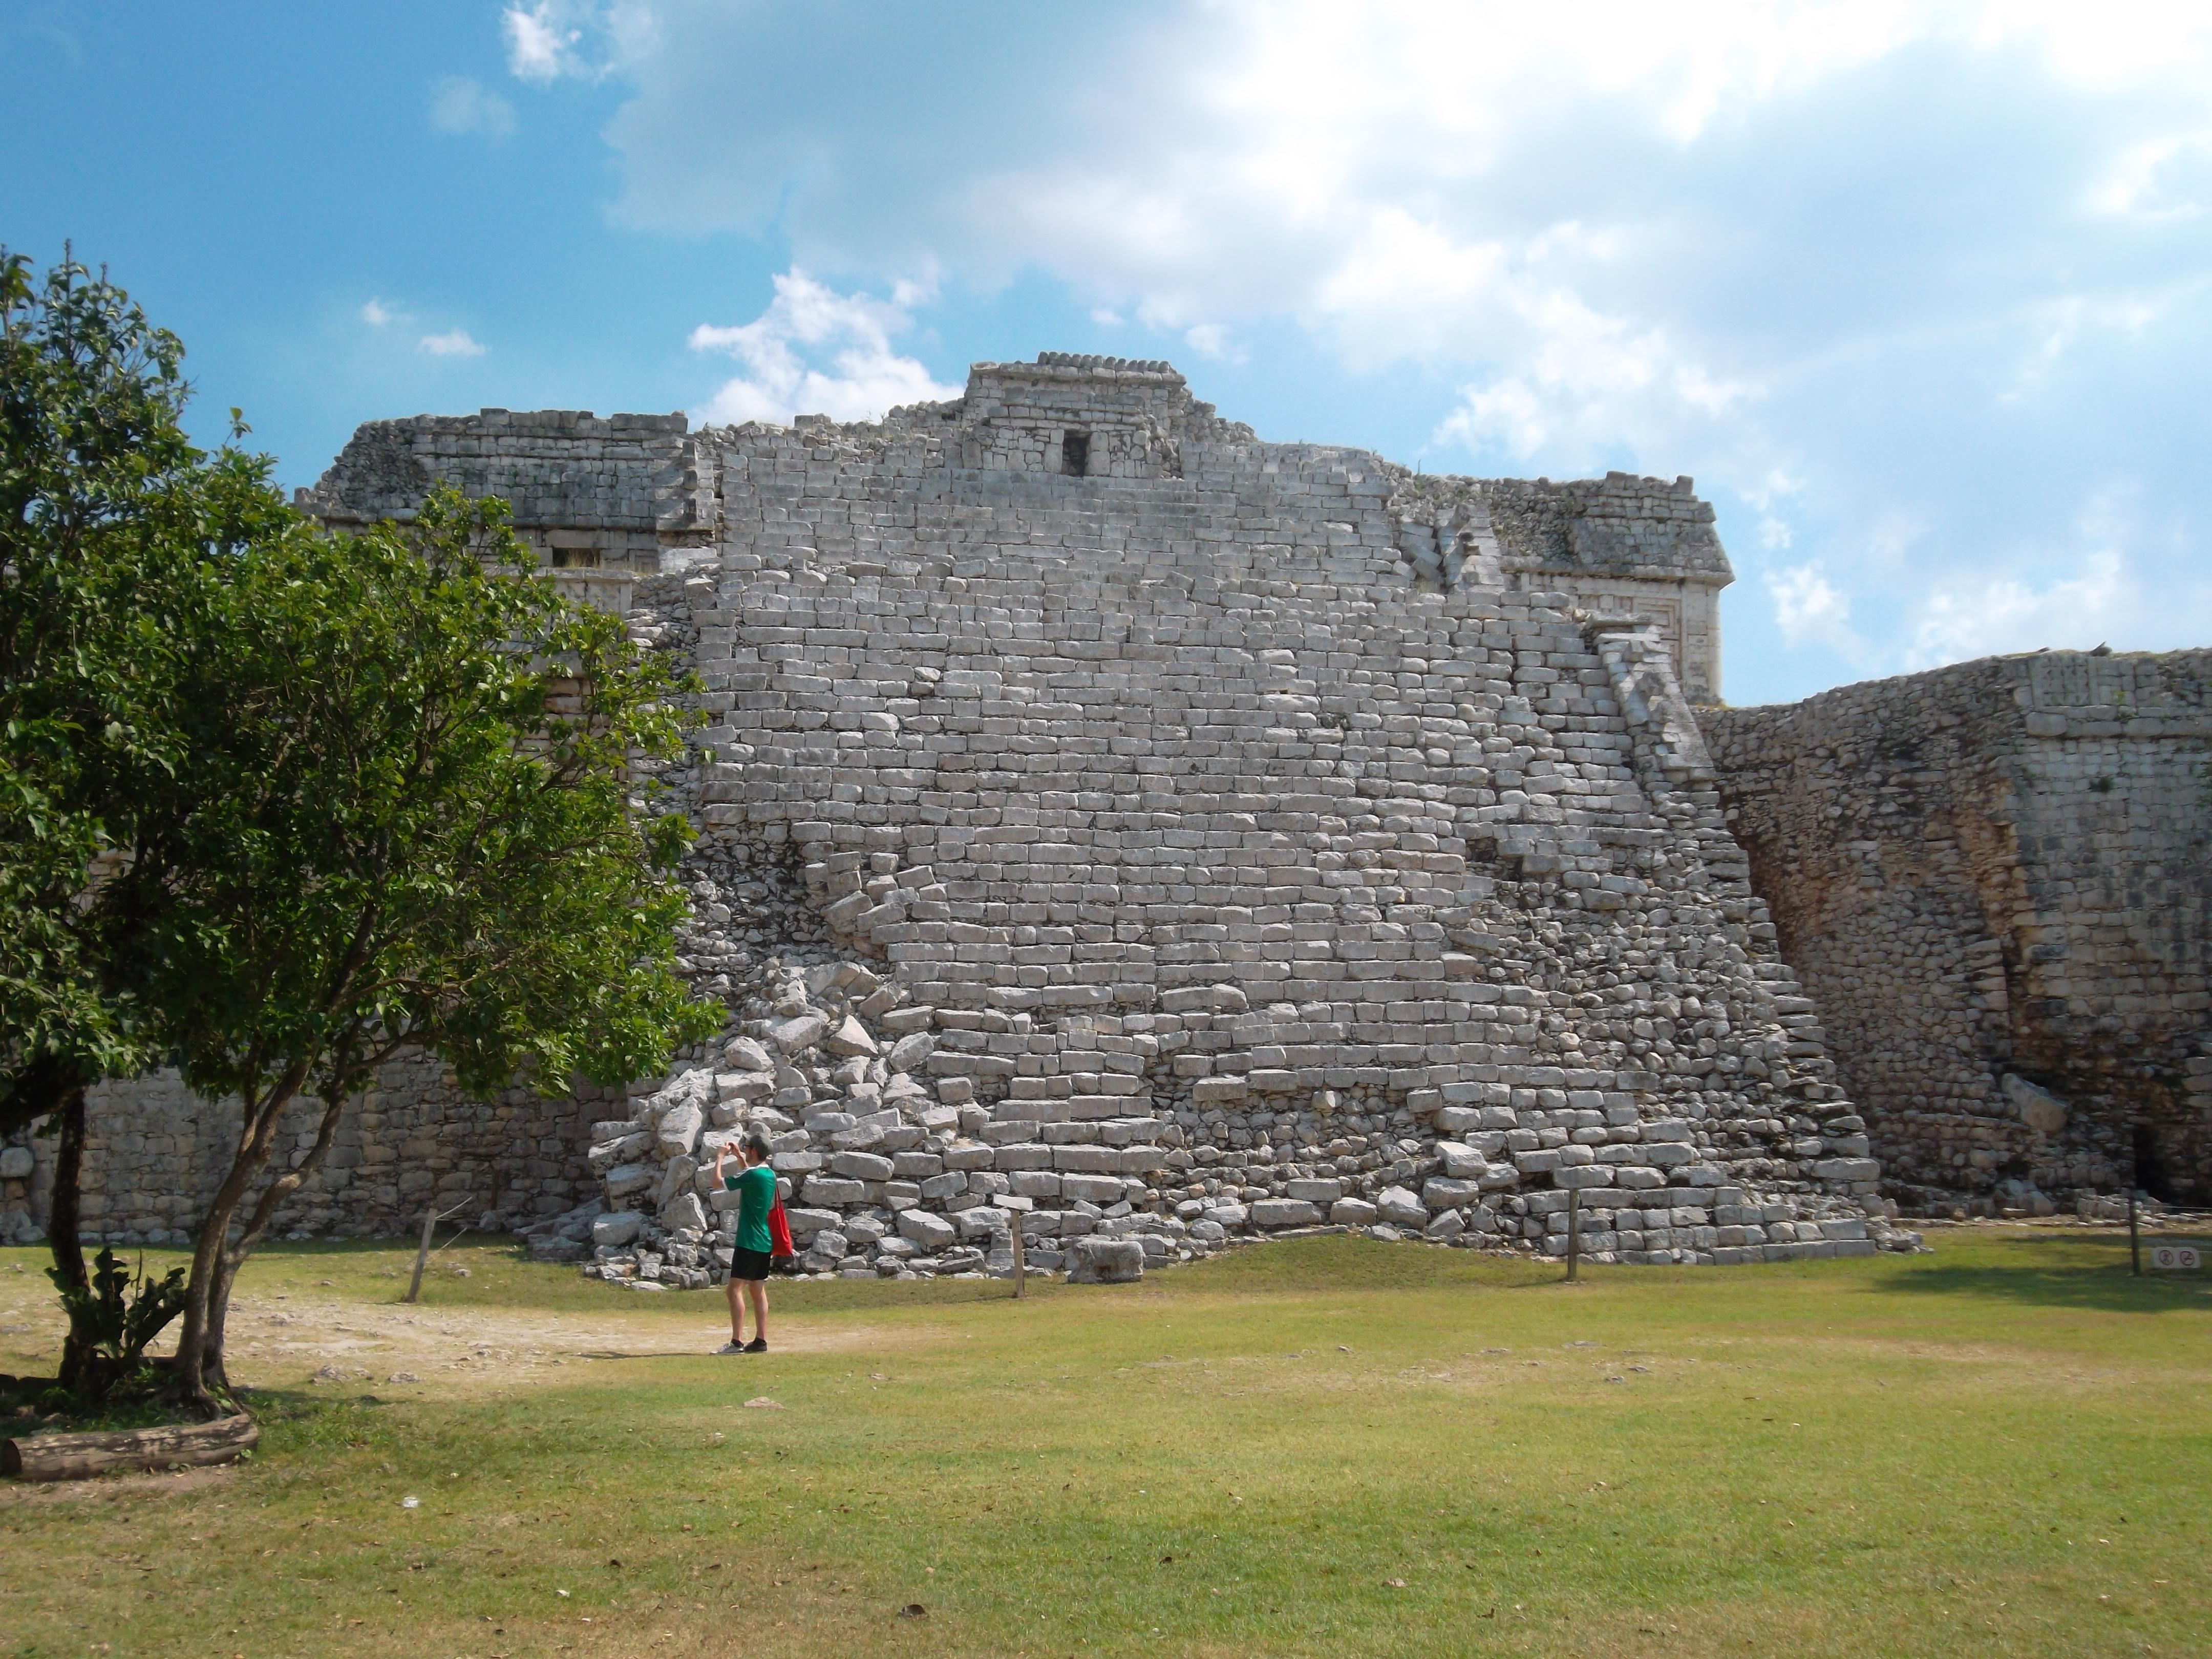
[{"x": 112, "y": 1320}]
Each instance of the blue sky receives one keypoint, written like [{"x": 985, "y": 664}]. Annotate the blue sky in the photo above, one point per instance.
[{"x": 1920, "y": 294}]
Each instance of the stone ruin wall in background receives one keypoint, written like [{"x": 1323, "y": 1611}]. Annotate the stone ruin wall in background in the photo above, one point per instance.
[
  {"x": 1996, "y": 880},
  {"x": 155, "y": 1151}
]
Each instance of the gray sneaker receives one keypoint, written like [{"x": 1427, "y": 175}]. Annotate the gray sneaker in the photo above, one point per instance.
[{"x": 731, "y": 1347}]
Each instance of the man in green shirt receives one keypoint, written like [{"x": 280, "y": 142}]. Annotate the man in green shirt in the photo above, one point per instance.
[{"x": 754, "y": 1186}]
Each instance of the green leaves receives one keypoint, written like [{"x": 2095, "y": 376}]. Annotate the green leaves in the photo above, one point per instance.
[
  {"x": 413, "y": 825},
  {"x": 274, "y": 803},
  {"x": 109, "y": 520},
  {"x": 117, "y": 1315}
]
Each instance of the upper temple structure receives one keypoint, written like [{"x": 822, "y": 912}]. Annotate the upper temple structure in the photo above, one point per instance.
[
  {"x": 622, "y": 494},
  {"x": 1113, "y": 826}
]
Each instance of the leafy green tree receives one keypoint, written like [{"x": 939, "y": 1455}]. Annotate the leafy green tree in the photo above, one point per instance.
[
  {"x": 115, "y": 534},
  {"x": 276, "y": 805},
  {"x": 411, "y": 817}
]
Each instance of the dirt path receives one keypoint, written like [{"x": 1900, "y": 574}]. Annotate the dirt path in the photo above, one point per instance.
[{"x": 283, "y": 1340}]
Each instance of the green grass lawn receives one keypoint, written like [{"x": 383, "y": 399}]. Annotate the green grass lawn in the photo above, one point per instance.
[{"x": 1329, "y": 1447}]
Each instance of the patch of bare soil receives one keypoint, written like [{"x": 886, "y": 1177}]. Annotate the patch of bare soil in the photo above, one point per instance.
[
  {"x": 280, "y": 1342},
  {"x": 134, "y": 1486}
]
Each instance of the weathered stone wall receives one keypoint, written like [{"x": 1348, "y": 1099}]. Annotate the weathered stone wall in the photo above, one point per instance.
[
  {"x": 1219, "y": 811},
  {"x": 1184, "y": 799},
  {"x": 2000, "y": 871},
  {"x": 155, "y": 1152},
  {"x": 1622, "y": 547},
  {"x": 587, "y": 491}
]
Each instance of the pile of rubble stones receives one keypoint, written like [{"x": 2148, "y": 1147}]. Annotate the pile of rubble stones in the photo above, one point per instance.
[{"x": 888, "y": 1172}]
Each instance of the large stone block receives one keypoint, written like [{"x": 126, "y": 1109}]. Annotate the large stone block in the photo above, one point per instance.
[
  {"x": 1105, "y": 1262},
  {"x": 931, "y": 1232},
  {"x": 618, "y": 1228},
  {"x": 684, "y": 1213},
  {"x": 678, "y": 1133},
  {"x": 1847, "y": 1170},
  {"x": 1462, "y": 1162},
  {"x": 1398, "y": 1206},
  {"x": 621, "y": 1181},
  {"x": 797, "y": 1034}
]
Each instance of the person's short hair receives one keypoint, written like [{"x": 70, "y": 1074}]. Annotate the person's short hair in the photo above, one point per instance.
[{"x": 754, "y": 1142}]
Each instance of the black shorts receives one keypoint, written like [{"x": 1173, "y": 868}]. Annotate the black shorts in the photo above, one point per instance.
[{"x": 749, "y": 1264}]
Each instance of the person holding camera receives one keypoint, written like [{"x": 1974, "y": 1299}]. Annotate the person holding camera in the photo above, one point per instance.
[{"x": 751, "y": 1253}]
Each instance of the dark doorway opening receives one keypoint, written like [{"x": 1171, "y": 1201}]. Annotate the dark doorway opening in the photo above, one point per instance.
[
  {"x": 1075, "y": 453},
  {"x": 2150, "y": 1168}
]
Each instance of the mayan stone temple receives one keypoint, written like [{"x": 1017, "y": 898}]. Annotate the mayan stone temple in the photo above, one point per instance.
[{"x": 1118, "y": 828}]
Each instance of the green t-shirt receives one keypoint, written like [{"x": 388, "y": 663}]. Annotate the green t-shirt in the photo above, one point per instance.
[{"x": 756, "y": 1191}]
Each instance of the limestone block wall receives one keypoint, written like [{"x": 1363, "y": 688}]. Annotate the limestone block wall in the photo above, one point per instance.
[
  {"x": 155, "y": 1152},
  {"x": 2000, "y": 869},
  {"x": 587, "y": 491},
  {"x": 1017, "y": 417},
  {"x": 1252, "y": 811},
  {"x": 1196, "y": 764},
  {"x": 1626, "y": 548}
]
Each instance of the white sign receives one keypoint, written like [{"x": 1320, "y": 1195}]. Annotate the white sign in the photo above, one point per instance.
[{"x": 2175, "y": 1258}]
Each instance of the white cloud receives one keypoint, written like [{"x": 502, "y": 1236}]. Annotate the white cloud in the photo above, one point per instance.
[
  {"x": 376, "y": 313},
  {"x": 459, "y": 106},
  {"x": 2071, "y": 591},
  {"x": 541, "y": 40},
  {"x": 2165, "y": 177},
  {"x": 1767, "y": 498},
  {"x": 1978, "y": 619},
  {"x": 1211, "y": 341},
  {"x": 1935, "y": 261},
  {"x": 550, "y": 39},
  {"x": 454, "y": 343},
  {"x": 1810, "y": 609},
  {"x": 806, "y": 321}
]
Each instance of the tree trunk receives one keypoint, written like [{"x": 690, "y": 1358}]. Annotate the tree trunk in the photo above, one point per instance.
[
  {"x": 80, "y": 1457},
  {"x": 257, "y": 1139},
  {"x": 192, "y": 1369},
  {"x": 61, "y": 1239},
  {"x": 200, "y": 1364},
  {"x": 213, "y": 1372}
]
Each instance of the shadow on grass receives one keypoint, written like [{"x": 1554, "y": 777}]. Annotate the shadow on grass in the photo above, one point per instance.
[
  {"x": 2056, "y": 1272},
  {"x": 295, "y": 1420}
]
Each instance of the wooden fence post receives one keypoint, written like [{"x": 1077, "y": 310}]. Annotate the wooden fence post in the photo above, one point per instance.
[
  {"x": 430, "y": 1218},
  {"x": 1574, "y": 1233}
]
